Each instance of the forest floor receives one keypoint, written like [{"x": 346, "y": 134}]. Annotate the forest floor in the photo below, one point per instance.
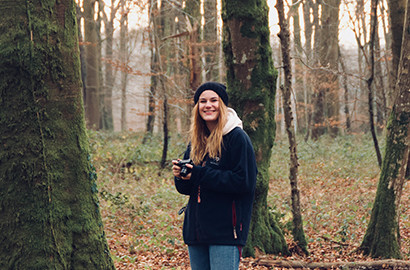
[{"x": 337, "y": 182}]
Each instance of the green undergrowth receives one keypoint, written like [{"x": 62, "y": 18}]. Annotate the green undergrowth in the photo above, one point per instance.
[{"x": 337, "y": 179}]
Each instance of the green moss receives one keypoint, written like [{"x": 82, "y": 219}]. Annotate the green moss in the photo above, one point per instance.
[
  {"x": 259, "y": 123},
  {"x": 382, "y": 235},
  {"x": 48, "y": 203}
]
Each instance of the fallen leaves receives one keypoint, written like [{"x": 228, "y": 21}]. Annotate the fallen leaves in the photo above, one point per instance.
[{"x": 144, "y": 231}]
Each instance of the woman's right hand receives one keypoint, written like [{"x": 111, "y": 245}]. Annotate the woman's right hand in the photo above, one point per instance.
[{"x": 176, "y": 170}]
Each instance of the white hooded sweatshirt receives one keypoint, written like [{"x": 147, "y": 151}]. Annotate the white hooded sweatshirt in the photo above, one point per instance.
[{"x": 232, "y": 122}]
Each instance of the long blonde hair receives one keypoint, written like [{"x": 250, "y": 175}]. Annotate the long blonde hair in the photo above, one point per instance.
[{"x": 203, "y": 141}]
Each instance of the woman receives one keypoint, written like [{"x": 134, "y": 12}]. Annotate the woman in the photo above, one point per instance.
[{"x": 220, "y": 184}]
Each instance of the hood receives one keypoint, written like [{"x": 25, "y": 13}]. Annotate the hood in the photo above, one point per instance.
[{"x": 232, "y": 122}]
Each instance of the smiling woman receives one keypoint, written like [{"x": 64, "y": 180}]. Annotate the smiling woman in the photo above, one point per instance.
[{"x": 221, "y": 183}]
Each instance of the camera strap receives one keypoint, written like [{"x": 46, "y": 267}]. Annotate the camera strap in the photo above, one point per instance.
[{"x": 182, "y": 210}]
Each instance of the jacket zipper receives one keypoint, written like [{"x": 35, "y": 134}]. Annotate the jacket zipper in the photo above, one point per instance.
[
  {"x": 235, "y": 236},
  {"x": 199, "y": 194}
]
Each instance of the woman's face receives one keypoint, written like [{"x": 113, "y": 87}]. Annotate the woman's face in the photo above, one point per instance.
[{"x": 209, "y": 107}]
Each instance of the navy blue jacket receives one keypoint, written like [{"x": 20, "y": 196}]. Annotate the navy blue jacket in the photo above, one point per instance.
[{"x": 221, "y": 194}]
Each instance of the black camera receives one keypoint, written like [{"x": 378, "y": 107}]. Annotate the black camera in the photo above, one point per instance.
[{"x": 184, "y": 169}]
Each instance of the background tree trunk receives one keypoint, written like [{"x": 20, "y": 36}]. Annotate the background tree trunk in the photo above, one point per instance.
[
  {"x": 251, "y": 80},
  {"x": 49, "y": 207},
  {"x": 397, "y": 11},
  {"x": 382, "y": 238},
  {"x": 370, "y": 81},
  {"x": 326, "y": 116},
  {"x": 210, "y": 37},
  {"x": 154, "y": 34},
  {"x": 92, "y": 84},
  {"x": 107, "y": 114},
  {"x": 124, "y": 62}
]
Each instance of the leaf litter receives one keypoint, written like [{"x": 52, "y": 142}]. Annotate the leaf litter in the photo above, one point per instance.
[{"x": 144, "y": 231}]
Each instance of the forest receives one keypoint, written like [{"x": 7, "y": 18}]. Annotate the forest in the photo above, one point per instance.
[{"x": 96, "y": 99}]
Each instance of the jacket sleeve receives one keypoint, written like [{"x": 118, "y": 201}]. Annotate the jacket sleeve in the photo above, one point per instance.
[
  {"x": 240, "y": 178},
  {"x": 184, "y": 186}
]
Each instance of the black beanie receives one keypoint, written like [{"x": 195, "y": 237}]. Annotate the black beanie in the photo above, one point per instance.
[{"x": 218, "y": 88}]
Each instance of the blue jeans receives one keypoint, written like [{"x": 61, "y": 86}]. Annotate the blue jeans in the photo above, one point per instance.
[{"x": 214, "y": 257}]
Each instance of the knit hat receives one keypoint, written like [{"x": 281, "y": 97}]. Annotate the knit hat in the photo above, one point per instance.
[{"x": 218, "y": 88}]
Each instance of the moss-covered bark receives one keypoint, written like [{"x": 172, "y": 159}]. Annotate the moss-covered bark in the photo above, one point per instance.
[
  {"x": 382, "y": 238},
  {"x": 251, "y": 80},
  {"x": 382, "y": 235},
  {"x": 49, "y": 207}
]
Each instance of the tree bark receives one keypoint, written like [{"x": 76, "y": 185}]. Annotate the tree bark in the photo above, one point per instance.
[
  {"x": 370, "y": 81},
  {"x": 154, "y": 35},
  {"x": 50, "y": 217},
  {"x": 124, "y": 62},
  {"x": 326, "y": 116},
  {"x": 297, "y": 230},
  {"x": 251, "y": 80},
  {"x": 382, "y": 238},
  {"x": 107, "y": 114},
  {"x": 307, "y": 76},
  {"x": 397, "y": 11},
  {"x": 210, "y": 36},
  {"x": 92, "y": 85},
  {"x": 345, "y": 93}
]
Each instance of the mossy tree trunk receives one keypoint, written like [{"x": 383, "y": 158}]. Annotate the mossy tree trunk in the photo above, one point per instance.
[
  {"x": 382, "y": 238},
  {"x": 49, "y": 208},
  {"x": 251, "y": 80}
]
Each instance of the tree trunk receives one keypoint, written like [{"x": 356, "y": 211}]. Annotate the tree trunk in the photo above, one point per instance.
[
  {"x": 370, "y": 81},
  {"x": 345, "y": 93},
  {"x": 194, "y": 11},
  {"x": 107, "y": 115},
  {"x": 397, "y": 11},
  {"x": 251, "y": 80},
  {"x": 382, "y": 238},
  {"x": 327, "y": 105},
  {"x": 92, "y": 85},
  {"x": 210, "y": 36},
  {"x": 297, "y": 230},
  {"x": 49, "y": 207},
  {"x": 317, "y": 118},
  {"x": 154, "y": 34},
  {"x": 299, "y": 95},
  {"x": 124, "y": 62},
  {"x": 307, "y": 76}
]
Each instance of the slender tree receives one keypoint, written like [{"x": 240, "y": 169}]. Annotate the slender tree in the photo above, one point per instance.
[
  {"x": 307, "y": 78},
  {"x": 124, "y": 61},
  {"x": 49, "y": 207},
  {"x": 212, "y": 44},
  {"x": 251, "y": 80},
  {"x": 284, "y": 35},
  {"x": 155, "y": 33},
  {"x": 370, "y": 81},
  {"x": 106, "y": 110}
]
